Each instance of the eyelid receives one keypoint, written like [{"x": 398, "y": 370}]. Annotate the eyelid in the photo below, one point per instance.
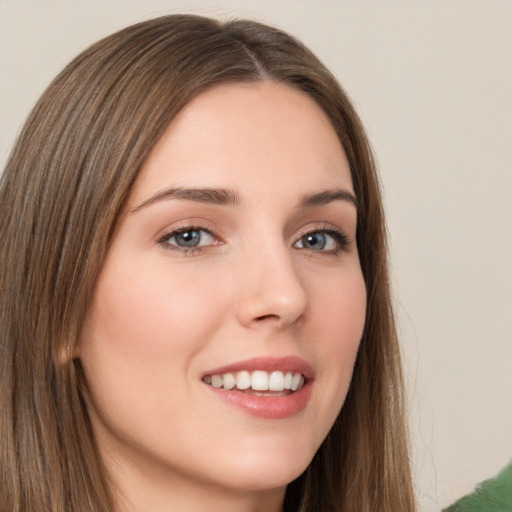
[
  {"x": 340, "y": 236},
  {"x": 172, "y": 231}
]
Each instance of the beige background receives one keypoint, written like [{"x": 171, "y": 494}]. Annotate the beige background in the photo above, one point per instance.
[{"x": 433, "y": 83}]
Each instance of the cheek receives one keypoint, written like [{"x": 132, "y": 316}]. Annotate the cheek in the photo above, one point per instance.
[
  {"x": 339, "y": 317},
  {"x": 338, "y": 310},
  {"x": 154, "y": 311},
  {"x": 138, "y": 352},
  {"x": 345, "y": 312},
  {"x": 139, "y": 342}
]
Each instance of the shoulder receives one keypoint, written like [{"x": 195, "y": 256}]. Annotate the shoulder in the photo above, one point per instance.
[{"x": 493, "y": 495}]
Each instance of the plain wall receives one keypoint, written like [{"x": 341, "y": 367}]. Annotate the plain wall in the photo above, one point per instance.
[{"x": 433, "y": 84}]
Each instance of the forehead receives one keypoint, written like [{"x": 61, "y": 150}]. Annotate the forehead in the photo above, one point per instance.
[{"x": 253, "y": 136}]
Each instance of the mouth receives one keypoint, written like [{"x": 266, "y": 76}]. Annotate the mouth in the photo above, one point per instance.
[
  {"x": 266, "y": 387},
  {"x": 258, "y": 382}
]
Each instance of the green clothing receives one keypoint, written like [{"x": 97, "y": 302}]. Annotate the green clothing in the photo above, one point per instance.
[{"x": 493, "y": 495}]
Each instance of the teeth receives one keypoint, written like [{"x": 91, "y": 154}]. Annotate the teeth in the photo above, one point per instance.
[
  {"x": 217, "y": 381},
  {"x": 276, "y": 381},
  {"x": 258, "y": 380},
  {"x": 243, "y": 380},
  {"x": 228, "y": 381},
  {"x": 296, "y": 382}
]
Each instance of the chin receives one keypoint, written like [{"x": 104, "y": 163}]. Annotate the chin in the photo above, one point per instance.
[{"x": 263, "y": 471}]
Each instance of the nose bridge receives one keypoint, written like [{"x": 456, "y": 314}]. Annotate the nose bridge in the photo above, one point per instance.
[{"x": 272, "y": 290}]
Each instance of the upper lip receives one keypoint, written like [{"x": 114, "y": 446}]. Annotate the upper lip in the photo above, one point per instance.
[{"x": 292, "y": 364}]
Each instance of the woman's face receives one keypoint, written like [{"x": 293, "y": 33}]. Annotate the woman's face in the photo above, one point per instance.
[{"x": 234, "y": 265}]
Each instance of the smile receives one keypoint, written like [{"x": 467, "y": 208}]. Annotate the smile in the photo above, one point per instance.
[
  {"x": 258, "y": 381},
  {"x": 271, "y": 388}
]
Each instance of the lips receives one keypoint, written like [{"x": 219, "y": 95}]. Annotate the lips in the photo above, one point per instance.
[{"x": 268, "y": 387}]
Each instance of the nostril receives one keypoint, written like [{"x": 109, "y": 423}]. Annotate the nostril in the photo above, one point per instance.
[{"x": 267, "y": 317}]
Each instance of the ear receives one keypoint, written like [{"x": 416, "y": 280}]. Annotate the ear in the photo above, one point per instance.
[{"x": 66, "y": 353}]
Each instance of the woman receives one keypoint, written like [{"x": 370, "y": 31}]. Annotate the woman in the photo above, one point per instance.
[{"x": 195, "y": 308}]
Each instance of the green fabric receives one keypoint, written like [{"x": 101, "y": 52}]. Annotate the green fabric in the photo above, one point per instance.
[{"x": 493, "y": 495}]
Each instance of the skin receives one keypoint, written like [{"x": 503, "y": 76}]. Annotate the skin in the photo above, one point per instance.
[{"x": 161, "y": 318}]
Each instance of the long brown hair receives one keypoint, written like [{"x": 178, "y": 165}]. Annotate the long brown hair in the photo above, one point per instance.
[{"x": 64, "y": 185}]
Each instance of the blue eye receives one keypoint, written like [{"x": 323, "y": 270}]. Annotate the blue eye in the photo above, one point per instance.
[
  {"x": 186, "y": 239},
  {"x": 323, "y": 241},
  {"x": 314, "y": 241},
  {"x": 189, "y": 238}
]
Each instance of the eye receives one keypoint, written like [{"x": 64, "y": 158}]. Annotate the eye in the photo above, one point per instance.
[
  {"x": 325, "y": 240},
  {"x": 188, "y": 239}
]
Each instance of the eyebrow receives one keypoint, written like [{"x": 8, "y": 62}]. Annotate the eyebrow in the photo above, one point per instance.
[
  {"x": 217, "y": 196},
  {"x": 327, "y": 196},
  {"x": 228, "y": 197}
]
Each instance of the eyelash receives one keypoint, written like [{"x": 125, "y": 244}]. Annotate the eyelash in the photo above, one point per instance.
[
  {"x": 164, "y": 240},
  {"x": 340, "y": 238}
]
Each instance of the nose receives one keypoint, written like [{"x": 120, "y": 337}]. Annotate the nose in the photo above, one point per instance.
[{"x": 271, "y": 290}]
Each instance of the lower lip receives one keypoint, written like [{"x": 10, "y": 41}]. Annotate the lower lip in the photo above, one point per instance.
[{"x": 268, "y": 407}]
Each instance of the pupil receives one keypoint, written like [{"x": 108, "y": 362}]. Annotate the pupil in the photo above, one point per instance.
[
  {"x": 188, "y": 238},
  {"x": 315, "y": 241}
]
